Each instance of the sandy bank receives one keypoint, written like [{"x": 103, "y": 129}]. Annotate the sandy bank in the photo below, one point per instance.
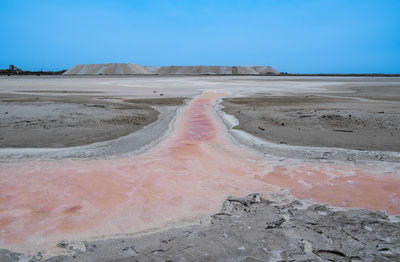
[
  {"x": 368, "y": 119},
  {"x": 72, "y": 120}
]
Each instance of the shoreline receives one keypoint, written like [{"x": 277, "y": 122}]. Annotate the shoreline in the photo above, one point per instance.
[
  {"x": 32, "y": 121},
  {"x": 246, "y": 227},
  {"x": 319, "y": 121},
  {"x": 282, "y": 152}
]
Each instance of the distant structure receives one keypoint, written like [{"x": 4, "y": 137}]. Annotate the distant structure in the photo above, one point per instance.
[
  {"x": 132, "y": 69},
  {"x": 14, "y": 70}
]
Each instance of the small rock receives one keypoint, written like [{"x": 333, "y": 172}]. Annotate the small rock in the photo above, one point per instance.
[
  {"x": 130, "y": 251},
  {"x": 77, "y": 246},
  {"x": 63, "y": 244},
  {"x": 90, "y": 247},
  {"x": 368, "y": 228}
]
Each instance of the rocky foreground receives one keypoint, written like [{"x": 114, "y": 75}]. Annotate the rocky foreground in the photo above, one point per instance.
[{"x": 253, "y": 229}]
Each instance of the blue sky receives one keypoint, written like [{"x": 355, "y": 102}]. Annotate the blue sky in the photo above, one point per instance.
[{"x": 296, "y": 36}]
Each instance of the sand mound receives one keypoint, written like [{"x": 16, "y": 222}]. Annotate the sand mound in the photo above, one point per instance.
[
  {"x": 131, "y": 69},
  {"x": 214, "y": 70},
  {"x": 108, "y": 69}
]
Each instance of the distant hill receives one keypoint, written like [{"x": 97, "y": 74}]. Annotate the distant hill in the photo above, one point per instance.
[{"x": 131, "y": 69}]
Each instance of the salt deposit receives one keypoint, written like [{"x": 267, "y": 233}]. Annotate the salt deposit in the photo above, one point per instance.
[
  {"x": 214, "y": 70},
  {"x": 108, "y": 69},
  {"x": 131, "y": 69}
]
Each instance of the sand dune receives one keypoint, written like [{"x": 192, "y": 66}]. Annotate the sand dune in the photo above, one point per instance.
[{"x": 131, "y": 69}]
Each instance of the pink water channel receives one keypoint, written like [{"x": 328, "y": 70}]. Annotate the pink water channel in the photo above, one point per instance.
[{"x": 186, "y": 175}]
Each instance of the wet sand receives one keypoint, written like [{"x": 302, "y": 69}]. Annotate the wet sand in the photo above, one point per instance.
[
  {"x": 368, "y": 119},
  {"x": 72, "y": 120}
]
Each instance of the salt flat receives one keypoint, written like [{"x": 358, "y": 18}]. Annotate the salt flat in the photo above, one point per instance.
[{"x": 197, "y": 159}]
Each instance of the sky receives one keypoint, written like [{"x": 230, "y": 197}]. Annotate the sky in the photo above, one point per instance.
[{"x": 295, "y": 36}]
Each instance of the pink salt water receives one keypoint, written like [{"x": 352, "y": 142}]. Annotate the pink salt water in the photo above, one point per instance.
[{"x": 187, "y": 175}]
